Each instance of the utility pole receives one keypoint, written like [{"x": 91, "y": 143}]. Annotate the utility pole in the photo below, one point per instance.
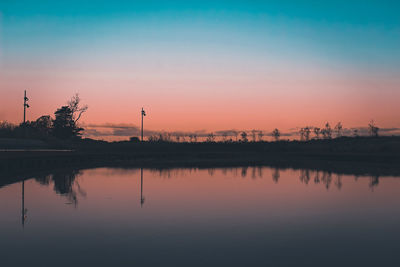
[
  {"x": 25, "y": 105},
  {"x": 143, "y": 114}
]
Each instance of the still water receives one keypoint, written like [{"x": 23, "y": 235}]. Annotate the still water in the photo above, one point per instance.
[{"x": 200, "y": 217}]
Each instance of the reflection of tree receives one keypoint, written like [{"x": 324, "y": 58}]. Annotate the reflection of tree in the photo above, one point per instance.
[
  {"x": 260, "y": 172},
  {"x": 43, "y": 180},
  {"x": 326, "y": 179},
  {"x": 305, "y": 176},
  {"x": 338, "y": 182},
  {"x": 373, "y": 182},
  {"x": 244, "y": 172},
  {"x": 253, "y": 173},
  {"x": 317, "y": 180},
  {"x": 275, "y": 175},
  {"x": 64, "y": 184}
]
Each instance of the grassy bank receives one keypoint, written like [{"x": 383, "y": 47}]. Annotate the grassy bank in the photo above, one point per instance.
[{"x": 363, "y": 151}]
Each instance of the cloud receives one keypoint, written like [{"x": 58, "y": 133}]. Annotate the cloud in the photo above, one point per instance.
[
  {"x": 93, "y": 133},
  {"x": 112, "y": 129},
  {"x": 111, "y": 125}
]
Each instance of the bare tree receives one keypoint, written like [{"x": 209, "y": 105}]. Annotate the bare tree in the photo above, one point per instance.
[
  {"x": 253, "y": 135},
  {"x": 327, "y": 131},
  {"x": 302, "y": 134},
  {"x": 235, "y": 133},
  {"x": 374, "y": 181},
  {"x": 210, "y": 137},
  {"x": 317, "y": 132},
  {"x": 275, "y": 175},
  {"x": 339, "y": 182},
  {"x": 244, "y": 136},
  {"x": 260, "y": 136},
  {"x": 168, "y": 137},
  {"x": 373, "y": 129},
  {"x": 224, "y": 136},
  {"x": 276, "y": 134},
  {"x": 307, "y": 132},
  {"x": 338, "y": 129},
  {"x": 77, "y": 110}
]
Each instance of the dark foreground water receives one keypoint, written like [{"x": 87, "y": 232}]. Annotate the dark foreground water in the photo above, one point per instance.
[{"x": 190, "y": 217}]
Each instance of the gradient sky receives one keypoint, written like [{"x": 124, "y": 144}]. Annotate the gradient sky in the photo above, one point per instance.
[{"x": 210, "y": 65}]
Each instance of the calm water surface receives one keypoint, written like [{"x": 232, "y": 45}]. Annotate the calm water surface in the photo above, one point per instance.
[{"x": 191, "y": 217}]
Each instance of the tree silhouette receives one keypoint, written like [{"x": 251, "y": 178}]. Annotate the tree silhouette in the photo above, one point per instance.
[
  {"x": 210, "y": 137},
  {"x": 244, "y": 136},
  {"x": 43, "y": 125},
  {"x": 276, "y": 134},
  {"x": 317, "y": 132},
  {"x": 66, "y": 118},
  {"x": 260, "y": 136},
  {"x": 253, "y": 135},
  {"x": 224, "y": 136},
  {"x": 338, "y": 129},
  {"x": 307, "y": 132},
  {"x": 7, "y": 129},
  {"x": 327, "y": 131},
  {"x": 64, "y": 126},
  {"x": 301, "y": 133},
  {"x": 235, "y": 133},
  {"x": 76, "y": 109},
  {"x": 373, "y": 129}
]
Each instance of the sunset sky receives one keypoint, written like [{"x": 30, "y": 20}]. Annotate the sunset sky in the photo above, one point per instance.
[{"x": 204, "y": 65}]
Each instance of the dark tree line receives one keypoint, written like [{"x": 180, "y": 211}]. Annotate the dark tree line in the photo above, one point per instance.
[
  {"x": 305, "y": 133},
  {"x": 63, "y": 126}
]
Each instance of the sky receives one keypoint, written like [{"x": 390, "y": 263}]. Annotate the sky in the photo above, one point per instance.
[{"x": 203, "y": 65}]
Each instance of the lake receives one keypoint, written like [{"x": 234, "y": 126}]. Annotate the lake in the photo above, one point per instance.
[{"x": 247, "y": 216}]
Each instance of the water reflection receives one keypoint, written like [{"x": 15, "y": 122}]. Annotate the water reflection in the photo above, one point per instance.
[
  {"x": 141, "y": 188},
  {"x": 252, "y": 216},
  {"x": 306, "y": 176},
  {"x": 65, "y": 183},
  {"x": 24, "y": 211}
]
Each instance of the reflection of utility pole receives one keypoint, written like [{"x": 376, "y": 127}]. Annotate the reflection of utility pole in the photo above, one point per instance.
[
  {"x": 25, "y": 105},
  {"x": 141, "y": 188},
  {"x": 143, "y": 114},
  {"x": 23, "y": 211}
]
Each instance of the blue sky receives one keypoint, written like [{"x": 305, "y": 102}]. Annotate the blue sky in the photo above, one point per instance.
[
  {"x": 355, "y": 32},
  {"x": 344, "y": 51}
]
